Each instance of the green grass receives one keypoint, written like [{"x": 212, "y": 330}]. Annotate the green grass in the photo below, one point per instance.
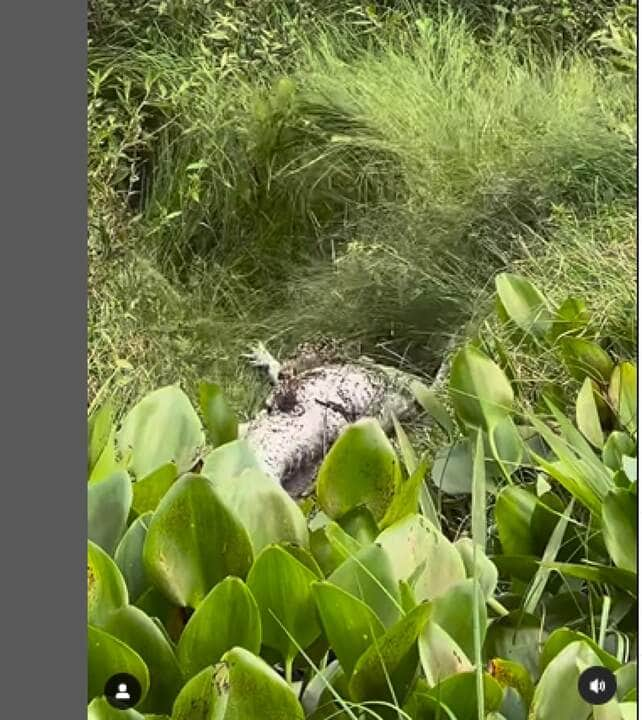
[{"x": 368, "y": 194}]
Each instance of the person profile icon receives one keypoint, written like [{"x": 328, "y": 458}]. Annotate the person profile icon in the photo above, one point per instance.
[{"x": 122, "y": 693}]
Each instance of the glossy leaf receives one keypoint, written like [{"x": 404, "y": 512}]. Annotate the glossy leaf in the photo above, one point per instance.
[
  {"x": 220, "y": 420},
  {"x": 422, "y": 555},
  {"x": 194, "y": 541},
  {"x": 454, "y": 611},
  {"x": 230, "y": 460},
  {"x": 486, "y": 570},
  {"x": 514, "y": 675},
  {"x": 458, "y": 693},
  {"x": 617, "y": 445},
  {"x": 107, "y": 656},
  {"x": 369, "y": 576},
  {"x": 623, "y": 395},
  {"x": 282, "y": 589},
  {"x": 620, "y": 528},
  {"x": 587, "y": 416},
  {"x": 162, "y": 428},
  {"x": 480, "y": 391},
  {"x": 562, "y": 637},
  {"x": 583, "y": 357},
  {"x": 331, "y": 545},
  {"x": 361, "y": 468},
  {"x": 108, "y": 504},
  {"x": 617, "y": 577},
  {"x": 99, "y": 427},
  {"x": 390, "y": 663},
  {"x": 228, "y": 617},
  {"x": 106, "y": 589},
  {"x": 556, "y": 692},
  {"x": 129, "y": 557},
  {"x": 440, "y": 655},
  {"x": 241, "y": 687},
  {"x": 360, "y": 524},
  {"x": 139, "y": 632},
  {"x": 267, "y": 512},
  {"x": 523, "y": 304},
  {"x": 150, "y": 490},
  {"x": 348, "y": 623},
  {"x": 516, "y": 637}
]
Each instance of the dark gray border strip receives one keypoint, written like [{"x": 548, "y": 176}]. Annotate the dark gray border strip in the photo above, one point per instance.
[{"x": 43, "y": 179}]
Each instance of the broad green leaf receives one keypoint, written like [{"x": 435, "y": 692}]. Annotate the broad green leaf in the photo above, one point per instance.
[
  {"x": 107, "y": 463},
  {"x": 108, "y": 504},
  {"x": 282, "y": 589},
  {"x": 360, "y": 525},
  {"x": 386, "y": 670},
  {"x": 458, "y": 693},
  {"x": 516, "y": 637},
  {"x": 154, "y": 604},
  {"x": 194, "y": 541},
  {"x": 623, "y": 395},
  {"x": 627, "y": 679},
  {"x": 480, "y": 392},
  {"x": 106, "y": 589},
  {"x": 229, "y": 461},
  {"x": 267, "y": 512},
  {"x": 620, "y": 528},
  {"x": 220, "y": 420},
  {"x": 100, "y": 709},
  {"x": 369, "y": 576},
  {"x": 304, "y": 556},
  {"x": 241, "y": 687},
  {"x": 440, "y": 655},
  {"x": 348, "y": 623},
  {"x": 361, "y": 468},
  {"x": 486, "y": 571},
  {"x": 583, "y": 357},
  {"x": 617, "y": 445},
  {"x": 524, "y": 304},
  {"x": 99, "y": 429},
  {"x": 454, "y": 611},
  {"x": 107, "y": 656},
  {"x": 629, "y": 710},
  {"x": 586, "y": 415},
  {"x": 407, "y": 498},
  {"x": 422, "y": 555},
  {"x": 139, "y": 632},
  {"x": 228, "y": 617},
  {"x": 151, "y": 489},
  {"x": 570, "y": 318},
  {"x": 129, "y": 557},
  {"x": 562, "y": 637},
  {"x": 162, "y": 428},
  {"x": 507, "y": 447},
  {"x": 556, "y": 694},
  {"x": 331, "y": 545},
  {"x": 429, "y": 401}
]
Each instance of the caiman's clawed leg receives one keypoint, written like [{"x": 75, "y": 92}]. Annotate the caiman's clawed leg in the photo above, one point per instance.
[{"x": 260, "y": 357}]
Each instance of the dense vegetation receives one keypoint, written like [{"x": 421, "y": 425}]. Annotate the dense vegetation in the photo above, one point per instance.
[{"x": 394, "y": 176}]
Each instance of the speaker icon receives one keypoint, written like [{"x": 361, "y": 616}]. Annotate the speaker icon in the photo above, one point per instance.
[{"x": 597, "y": 685}]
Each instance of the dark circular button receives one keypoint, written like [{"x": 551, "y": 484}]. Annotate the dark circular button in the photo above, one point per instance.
[
  {"x": 122, "y": 691},
  {"x": 597, "y": 685}
]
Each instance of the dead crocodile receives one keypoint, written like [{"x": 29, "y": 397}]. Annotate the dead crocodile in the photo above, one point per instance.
[{"x": 315, "y": 397}]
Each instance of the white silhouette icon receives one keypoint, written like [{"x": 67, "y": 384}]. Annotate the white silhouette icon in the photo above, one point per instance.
[{"x": 122, "y": 693}]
